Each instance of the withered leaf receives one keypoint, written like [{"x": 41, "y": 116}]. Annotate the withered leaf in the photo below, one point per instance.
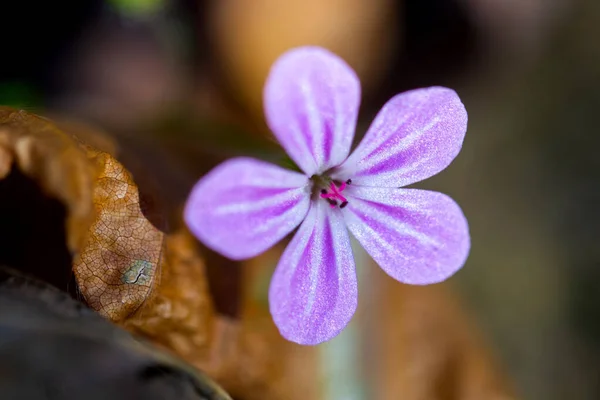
[
  {"x": 151, "y": 283},
  {"x": 48, "y": 156},
  {"x": 180, "y": 314},
  {"x": 117, "y": 250},
  {"x": 117, "y": 265}
]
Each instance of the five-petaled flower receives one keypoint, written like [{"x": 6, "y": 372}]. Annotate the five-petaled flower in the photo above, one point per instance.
[{"x": 244, "y": 206}]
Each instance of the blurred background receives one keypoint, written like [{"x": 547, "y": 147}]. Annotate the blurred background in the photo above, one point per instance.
[{"x": 181, "y": 78}]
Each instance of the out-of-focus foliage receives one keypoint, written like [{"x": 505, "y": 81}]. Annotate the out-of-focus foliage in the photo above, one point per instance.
[
  {"x": 138, "y": 8},
  {"x": 18, "y": 94}
]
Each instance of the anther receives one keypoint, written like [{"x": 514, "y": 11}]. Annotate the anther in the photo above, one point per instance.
[
  {"x": 349, "y": 181},
  {"x": 344, "y": 204},
  {"x": 332, "y": 202},
  {"x": 323, "y": 191}
]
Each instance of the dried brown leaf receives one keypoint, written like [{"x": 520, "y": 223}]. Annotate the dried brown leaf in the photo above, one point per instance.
[
  {"x": 48, "y": 156},
  {"x": 152, "y": 283},
  {"x": 117, "y": 265},
  {"x": 179, "y": 315}
]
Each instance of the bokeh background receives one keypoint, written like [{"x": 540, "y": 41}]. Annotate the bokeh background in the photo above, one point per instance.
[{"x": 188, "y": 75}]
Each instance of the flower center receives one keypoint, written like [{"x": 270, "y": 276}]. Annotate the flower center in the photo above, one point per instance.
[{"x": 334, "y": 194}]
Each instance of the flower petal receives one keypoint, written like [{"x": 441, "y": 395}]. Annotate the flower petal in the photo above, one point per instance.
[
  {"x": 244, "y": 206},
  {"x": 416, "y": 236},
  {"x": 415, "y": 135},
  {"x": 311, "y": 101},
  {"x": 314, "y": 292}
]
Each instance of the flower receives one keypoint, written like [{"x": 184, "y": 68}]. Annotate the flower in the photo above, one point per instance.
[{"x": 244, "y": 206}]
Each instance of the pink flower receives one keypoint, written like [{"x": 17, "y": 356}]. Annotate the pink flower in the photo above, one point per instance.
[{"x": 244, "y": 206}]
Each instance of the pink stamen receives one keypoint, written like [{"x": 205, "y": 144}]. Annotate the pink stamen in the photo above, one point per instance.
[
  {"x": 335, "y": 195},
  {"x": 337, "y": 192}
]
